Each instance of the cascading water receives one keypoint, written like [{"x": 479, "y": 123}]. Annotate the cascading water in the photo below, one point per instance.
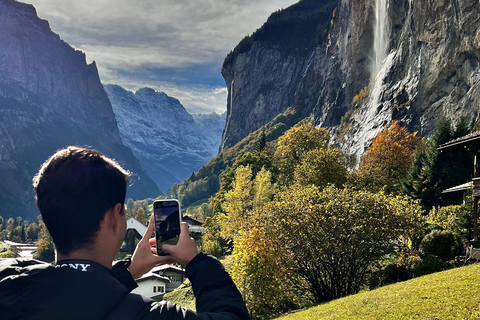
[
  {"x": 380, "y": 41},
  {"x": 374, "y": 114}
]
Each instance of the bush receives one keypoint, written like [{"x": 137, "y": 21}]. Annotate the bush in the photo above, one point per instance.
[
  {"x": 440, "y": 243},
  {"x": 429, "y": 264},
  {"x": 394, "y": 271}
]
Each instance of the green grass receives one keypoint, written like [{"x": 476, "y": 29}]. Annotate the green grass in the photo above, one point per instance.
[
  {"x": 451, "y": 294},
  {"x": 182, "y": 296}
]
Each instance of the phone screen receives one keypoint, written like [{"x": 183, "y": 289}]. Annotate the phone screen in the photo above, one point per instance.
[{"x": 167, "y": 223}]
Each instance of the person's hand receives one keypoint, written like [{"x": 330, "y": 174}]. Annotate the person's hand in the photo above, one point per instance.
[
  {"x": 144, "y": 258},
  {"x": 185, "y": 250}
]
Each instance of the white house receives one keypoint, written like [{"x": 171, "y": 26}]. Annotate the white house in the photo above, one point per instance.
[
  {"x": 152, "y": 285},
  {"x": 132, "y": 223},
  {"x": 175, "y": 274}
]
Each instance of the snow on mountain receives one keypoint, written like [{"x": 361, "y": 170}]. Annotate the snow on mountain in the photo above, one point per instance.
[{"x": 169, "y": 142}]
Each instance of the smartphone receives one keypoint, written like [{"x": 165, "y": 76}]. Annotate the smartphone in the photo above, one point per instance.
[{"x": 167, "y": 216}]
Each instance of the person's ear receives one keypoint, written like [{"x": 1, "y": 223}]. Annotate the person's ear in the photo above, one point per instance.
[{"x": 114, "y": 214}]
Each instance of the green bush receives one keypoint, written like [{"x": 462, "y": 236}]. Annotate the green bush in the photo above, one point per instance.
[
  {"x": 440, "y": 243},
  {"x": 394, "y": 271},
  {"x": 429, "y": 264}
]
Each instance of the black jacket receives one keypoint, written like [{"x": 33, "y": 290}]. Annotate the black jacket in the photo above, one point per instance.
[{"x": 85, "y": 290}]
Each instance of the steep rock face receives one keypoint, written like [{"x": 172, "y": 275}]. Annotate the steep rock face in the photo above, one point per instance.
[
  {"x": 169, "y": 142},
  {"x": 49, "y": 98},
  {"x": 265, "y": 71},
  {"x": 430, "y": 70}
]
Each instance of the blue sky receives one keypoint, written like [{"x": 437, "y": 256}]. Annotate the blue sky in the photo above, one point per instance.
[{"x": 174, "y": 46}]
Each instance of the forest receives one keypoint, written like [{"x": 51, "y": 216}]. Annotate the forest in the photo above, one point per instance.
[{"x": 297, "y": 226}]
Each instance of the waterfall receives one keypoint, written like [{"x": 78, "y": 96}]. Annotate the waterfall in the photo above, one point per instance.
[
  {"x": 380, "y": 47},
  {"x": 380, "y": 42}
]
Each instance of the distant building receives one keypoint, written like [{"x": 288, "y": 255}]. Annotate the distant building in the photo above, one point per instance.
[
  {"x": 152, "y": 285},
  {"x": 160, "y": 280},
  {"x": 25, "y": 250},
  {"x": 132, "y": 223}
]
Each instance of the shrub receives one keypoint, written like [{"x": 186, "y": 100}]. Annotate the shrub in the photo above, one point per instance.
[
  {"x": 429, "y": 264},
  {"x": 440, "y": 243}
]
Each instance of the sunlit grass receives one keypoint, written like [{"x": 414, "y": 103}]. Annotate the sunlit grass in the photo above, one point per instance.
[{"x": 451, "y": 294}]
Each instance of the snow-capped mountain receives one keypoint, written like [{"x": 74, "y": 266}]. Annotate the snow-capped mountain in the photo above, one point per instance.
[
  {"x": 169, "y": 142},
  {"x": 49, "y": 98}
]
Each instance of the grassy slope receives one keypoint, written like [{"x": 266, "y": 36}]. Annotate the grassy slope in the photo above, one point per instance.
[
  {"x": 451, "y": 294},
  {"x": 182, "y": 296}
]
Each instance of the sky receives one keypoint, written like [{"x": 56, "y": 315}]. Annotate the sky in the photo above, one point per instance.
[{"x": 174, "y": 46}]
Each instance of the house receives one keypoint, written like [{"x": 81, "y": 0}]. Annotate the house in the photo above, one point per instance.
[
  {"x": 175, "y": 274},
  {"x": 132, "y": 223},
  {"x": 195, "y": 227},
  {"x": 152, "y": 285},
  {"x": 160, "y": 280}
]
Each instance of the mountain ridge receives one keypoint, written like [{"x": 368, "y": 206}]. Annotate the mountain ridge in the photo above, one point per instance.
[
  {"x": 49, "y": 98},
  {"x": 169, "y": 141}
]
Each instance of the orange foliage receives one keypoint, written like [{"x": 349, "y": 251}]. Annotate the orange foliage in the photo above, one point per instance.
[{"x": 389, "y": 157}]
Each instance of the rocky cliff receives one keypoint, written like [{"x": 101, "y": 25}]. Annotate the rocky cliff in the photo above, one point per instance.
[
  {"x": 49, "y": 98},
  {"x": 169, "y": 142},
  {"x": 408, "y": 60}
]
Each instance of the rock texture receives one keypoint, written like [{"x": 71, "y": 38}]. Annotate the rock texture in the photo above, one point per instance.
[
  {"x": 431, "y": 70},
  {"x": 49, "y": 98},
  {"x": 169, "y": 142}
]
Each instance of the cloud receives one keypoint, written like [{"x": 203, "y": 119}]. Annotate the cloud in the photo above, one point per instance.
[{"x": 125, "y": 37}]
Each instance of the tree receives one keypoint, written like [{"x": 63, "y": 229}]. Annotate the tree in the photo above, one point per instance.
[
  {"x": 328, "y": 238},
  {"x": 45, "y": 245},
  {"x": 140, "y": 216},
  {"x": 256, "y": 161},
  {"x": 433, "y": 171},
  {"x": 261, "y": 142},
  {"x": 294, "y": 144},
  {"x": 321, "y": 167},
  {"x": 254, "y": 270},
  {"x": 388, "y": 159},
  {"x": 32, "y": 231},
  {"x": 129, "y": 206},
  {"x": 238, "y": 203}
]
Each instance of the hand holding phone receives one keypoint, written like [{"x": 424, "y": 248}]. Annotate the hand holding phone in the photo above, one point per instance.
[
  {"x": 167, "y": 216},
  {"x": 185, "y": 250}
]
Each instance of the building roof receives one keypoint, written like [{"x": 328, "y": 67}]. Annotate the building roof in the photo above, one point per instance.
[
  {"x": 461, "y": 187},
  {"x": 164, "y": 267},
  {"x": 152, "y": 276},
  {"x": 132, "y": 223},
  {"x": 191, "y": 221},
  {"x": 472, "y": 139}
]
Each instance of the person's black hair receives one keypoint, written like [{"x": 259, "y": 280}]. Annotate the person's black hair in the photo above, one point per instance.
[{"x": 74, "y": 189}]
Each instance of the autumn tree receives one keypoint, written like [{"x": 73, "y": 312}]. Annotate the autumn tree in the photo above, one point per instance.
[
  {"x": 140, "y": 216},
  {"x": 328, "y": 238},
  {"x": 388, "y": 159},
  {"x": 255, "y": 269},
  {"x": 294, "y": 144},
  {"x": 45, "y": 246},
  {"x": 321, "y": 167}
]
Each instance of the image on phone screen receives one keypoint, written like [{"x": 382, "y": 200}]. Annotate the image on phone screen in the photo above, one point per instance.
[{"x": 167, "y": 223}]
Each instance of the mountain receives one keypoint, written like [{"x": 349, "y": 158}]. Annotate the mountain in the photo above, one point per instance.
[
  {"x": 357, "y": 65},
  {"x": 169, "y": 142},
  {"x": 50, "y": 98}
]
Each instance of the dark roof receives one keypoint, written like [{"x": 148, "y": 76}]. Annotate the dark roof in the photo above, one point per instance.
[
  {"x": 191, "y": 221},
  {"x": 472, "y": 139}
]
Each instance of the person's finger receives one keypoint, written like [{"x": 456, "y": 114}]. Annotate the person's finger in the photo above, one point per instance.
[
  {"x": 152, "y": 242},
  {"x": 184, "y": 230},
  {"x": 149, "y": 230}
]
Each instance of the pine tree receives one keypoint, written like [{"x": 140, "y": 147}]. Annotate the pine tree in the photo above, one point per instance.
[{"x": 434, "y": 171}]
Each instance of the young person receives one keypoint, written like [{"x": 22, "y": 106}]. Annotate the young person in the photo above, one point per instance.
[{"x": 81, "y": 194}]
